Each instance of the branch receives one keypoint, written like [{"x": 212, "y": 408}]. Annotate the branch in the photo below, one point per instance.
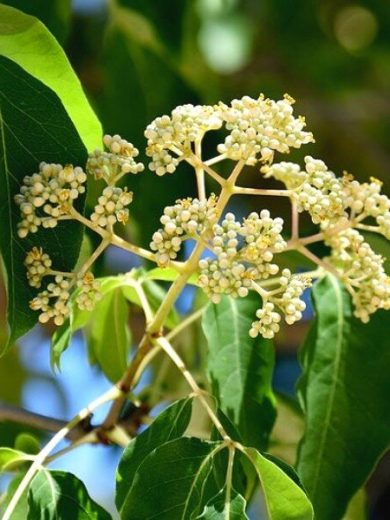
[{"x": 129, "y": 423}]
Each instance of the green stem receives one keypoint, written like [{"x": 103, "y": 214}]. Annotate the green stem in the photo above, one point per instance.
[{"x": 198, "y": 392}]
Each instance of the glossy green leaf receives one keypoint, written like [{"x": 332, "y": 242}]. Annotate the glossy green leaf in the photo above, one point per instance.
[
  {"x": 175, "y": 480},
  {"x": 226, "y": 505},
  {"x": 34, "y": 127},
  {"x": 344, "y": 391},
  {"x": 109, "y": 335},
  {"x": 27, "y": 42},
  {"x": 57, "y": 494},
  {"x": 240, "y": 368},
  {"x": 11, "y": 458},
  {"x": 55, "y": 14},
  {"x": 170, "y": 424},
  {"x": 283, "y": 498}
]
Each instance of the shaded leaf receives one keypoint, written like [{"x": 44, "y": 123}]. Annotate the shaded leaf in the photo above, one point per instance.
[
  {"x": 169, "y": 424},
  {"x": 21, "y": 509},
  {"x": 226, "y": 505},
  {"x": 174, "y": 481},
  {"x": 34, "y": 127},
  {"x": 240, "y": 368},
  {"x": 55, "y": 14},
  {"x": 344, "y": 391},
  {"x": 57, "y": 494},
  {"x": 27, "y": 443}
]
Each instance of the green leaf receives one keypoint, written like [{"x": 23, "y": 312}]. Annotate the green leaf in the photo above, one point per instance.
[
  {"x": 21, "y": 509},
  {"x": 226, "y": 505},
  {"x": 27, "y": 443},
  {"x": 11, "y": 458},
  {"x": 168, "y": 274},
  {"x": 108, "y": 334},
  {"x": 156, "y": 295},
  {"x": 175, "y": 480},
  {"x": 344, "y": 391},
  {"x": 34, "y": 127},
  {"x": 80, "y": 318},
  {"x": 240, "y": 368},
  {"x": 357, "y": 507},
  {"x": 283, "y": 498},
  {"x": 57, "y": 494},
  {"x": 169, "y": 425},
  {"x": 55, "y": 14},
  {"x": 27, "y": 42}
]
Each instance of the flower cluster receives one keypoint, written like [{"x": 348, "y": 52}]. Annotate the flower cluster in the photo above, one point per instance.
[
  {"x": 111, "y": 207},
  {"x": 315, "y": 190},
  {"x": 88, "y": 292},
  {"x": 118, "y": 160},
  {"x": 286, "y": 299},
  {"x": 362, "y": 271},
  {"x": 366, "y": 200},
  {"x": 169, "y": 136},
  {"x": 240, "y": 255},
  {"x": 244, "y": 252},
  {"x": 38, "y": 265},
  {"x": 53, "y": 301},
  {"x": 259, "y": 127},
  {"x": 188, "y": 218},
  {"x": 47, "y": 196}
]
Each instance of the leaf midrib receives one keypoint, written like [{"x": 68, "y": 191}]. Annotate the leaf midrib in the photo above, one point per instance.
[{"x": 332, "y": 393}]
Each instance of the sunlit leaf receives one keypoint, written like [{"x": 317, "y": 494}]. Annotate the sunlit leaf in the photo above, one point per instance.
[
  {"x": 34, "y": 127},
  {"x": 27, "y": 42},
  {"x": 283, "y": 498},
  {"x": 57, "y": 494}
]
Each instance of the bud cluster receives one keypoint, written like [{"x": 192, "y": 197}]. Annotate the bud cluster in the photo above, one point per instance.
[
  {"x": 59, "y": 291},
  {"x": 186, "y": 125},
  {"x": 240, "y": 253},
  {"x": 259, "y": 127},
  {"x": 362, "y": 271},
  {"x": 38, "y": 265},
  {"x": 118, "y": 160},
  {"x": 188, "y": 218},
  {"x": 88, "y": 292},
  {"x": 111, "y": 207},
  {"x": 286, "y": 299},
  {"x": 366, "y": 200},
  {"x": 47, "y": 196},
  {"x": 244, "y": 252},
  {"x": 315, "y": 190}
]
